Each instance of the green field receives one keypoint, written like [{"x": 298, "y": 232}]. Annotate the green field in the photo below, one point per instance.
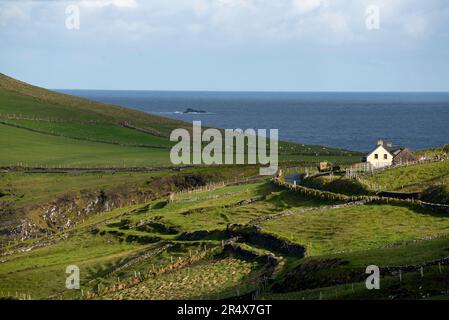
[
  {"x": 26, "y": 189},
  {"x": 106, "y": 133},
  {"x": 357, "y": 228},
  {"x": 42, "y": 272},
  {"x": 338, "y": 184},
  {"x": 197, "y": 211},
  {"x": 355, "y": 234},
  {"x": 213, "y": 279},
  {"x": 26, "y": 148},
  {"x": 410, "y": 177},
  {"x": 28, "y": 195},
  {"x": 119, "y": 147},
  {"x": 21, "y": 100}
]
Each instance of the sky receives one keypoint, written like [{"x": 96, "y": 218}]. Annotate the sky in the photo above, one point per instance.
[{"x": 227, "y": 45}]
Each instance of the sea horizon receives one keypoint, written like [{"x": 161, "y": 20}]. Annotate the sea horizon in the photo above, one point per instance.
[{"x": 348, "y": 120}]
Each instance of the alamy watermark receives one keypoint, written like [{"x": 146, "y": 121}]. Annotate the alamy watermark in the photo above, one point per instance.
[
  {"x": 372, "y": 21},
  {"x": 72, "y": 21},
  {"x": 237, "y": 147},
  {"x": 72, "y": 282},
  {"x": 373, "y": 280}
]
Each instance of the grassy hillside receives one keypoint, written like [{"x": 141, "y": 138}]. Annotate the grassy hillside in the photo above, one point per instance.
[
  {"x": 211, "y": 279},
  {"x": 21, "y": 99},
  {"x": 31, "y": 148},
  {"x": 357, "y": 228},
  {"x": 74, "y": 196},
  {"x": 96, "y": 132},
  {"x": 135, "y": 238},
  {"x": 101, "y": 146},
  {"x": 168, "y": 233},
  {"x": 337, "y": 184},
  {"x": 410, "y": 178},
  {"x": 46, "y": 128},
  {"x": 24, "y": 189}
]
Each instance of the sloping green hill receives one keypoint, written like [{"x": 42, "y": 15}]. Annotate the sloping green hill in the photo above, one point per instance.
[
  {"x": 21, "y": 100},
  {"x": 414, "y": 178},
  {"x": 43, "y": 127},
  {"x": 21, "y": 147}
]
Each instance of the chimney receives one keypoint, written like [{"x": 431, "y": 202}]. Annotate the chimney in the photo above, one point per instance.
[{"x": 380, "y": 142}]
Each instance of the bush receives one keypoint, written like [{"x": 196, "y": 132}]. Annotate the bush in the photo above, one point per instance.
[
  {"x": 436, "y": 194},
  {"x": 340, "y": 185}
]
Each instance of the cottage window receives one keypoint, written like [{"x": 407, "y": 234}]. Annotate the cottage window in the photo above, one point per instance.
[
  {"x": 385, "y": 156},
  {"x": 376, "y": 156}
]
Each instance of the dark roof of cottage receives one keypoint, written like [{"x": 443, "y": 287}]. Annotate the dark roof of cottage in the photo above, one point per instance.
[{"x": 394, "y": 150}]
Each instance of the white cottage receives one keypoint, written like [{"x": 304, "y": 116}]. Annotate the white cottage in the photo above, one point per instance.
[
  {"x": 385, "y": 155},
  {"x": 380, "y": 157}
]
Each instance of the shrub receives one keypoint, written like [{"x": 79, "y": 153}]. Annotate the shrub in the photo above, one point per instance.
[
  {"x": 340, "y": 185},
  {"x": 436, "y": 194}
]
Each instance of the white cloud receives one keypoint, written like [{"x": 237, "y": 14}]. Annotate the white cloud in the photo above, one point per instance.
[
  {"x": 106, "y": 3},
  {"x": 305, "y": 6},
  {"x": 13, "y": 14},
  {"x": 416, "y": 26},
  {"x": 228, "y": 21},
  {"x": 201, "y": 7}
]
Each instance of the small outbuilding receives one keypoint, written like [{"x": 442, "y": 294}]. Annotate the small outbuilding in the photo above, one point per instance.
[{"x": 403, "y": 155}]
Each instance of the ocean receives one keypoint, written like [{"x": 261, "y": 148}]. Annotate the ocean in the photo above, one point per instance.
[{"x": 352, "y": 121}]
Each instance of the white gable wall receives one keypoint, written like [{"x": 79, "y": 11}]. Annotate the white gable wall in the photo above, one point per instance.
[{"x": 380, "y": 158}]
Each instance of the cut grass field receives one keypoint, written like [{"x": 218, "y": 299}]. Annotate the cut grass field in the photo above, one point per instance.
[
  {"x": 357, "y": 228},
  {"x": 212, "y": 279}
]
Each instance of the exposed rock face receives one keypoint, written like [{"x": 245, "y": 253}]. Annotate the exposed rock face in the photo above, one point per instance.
[
  {"x": 67, "y": 211},
  {"x": 70, "y": 209}
]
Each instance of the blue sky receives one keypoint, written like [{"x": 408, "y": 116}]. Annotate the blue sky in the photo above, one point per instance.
[{"x": 256, "y": 45}]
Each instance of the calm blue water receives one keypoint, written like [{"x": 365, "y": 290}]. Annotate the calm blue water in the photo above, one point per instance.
[{"x": 347, "y": 120}]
